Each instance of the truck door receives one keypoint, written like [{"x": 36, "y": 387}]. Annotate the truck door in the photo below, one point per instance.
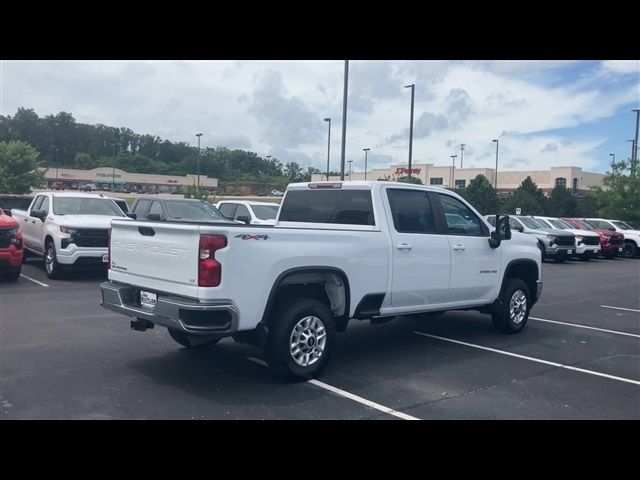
[
  {"x": 475, "y": 266},
  {"x": 28, "y": 225},
  {"x": 421, "y": 256}
]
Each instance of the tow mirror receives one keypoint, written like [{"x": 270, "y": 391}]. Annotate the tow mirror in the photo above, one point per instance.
[{"x": 502, "y": 231}]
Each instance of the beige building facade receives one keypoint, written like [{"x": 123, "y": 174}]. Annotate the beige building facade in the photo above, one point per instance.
[
  {"x": 573, "y": 178},
  {"x": 107, "y": 177}
]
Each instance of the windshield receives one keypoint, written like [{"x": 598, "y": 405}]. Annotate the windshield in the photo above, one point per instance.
[
  {"x": 266, "y": 212},
  {"x": 561, "y": 224},
  {"x": 192, "y": 211},
  {"x": 86, "y": 206},
  {"x": 633, "y": 225},
  {"x": 531, "y": 223},
  {"x": 622, "y": 226},
  {"x": 586, "y": 225}
]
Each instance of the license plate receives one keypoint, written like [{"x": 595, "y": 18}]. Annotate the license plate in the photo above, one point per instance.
[
  {"x": 569, "y": 252},
  {"x": 620, "y": 249},
  {"x": 148, "y": 299},
  {"x": 105, "y": 258}
]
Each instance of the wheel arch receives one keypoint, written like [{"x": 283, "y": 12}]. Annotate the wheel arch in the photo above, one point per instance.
[{"x": 524, "y": 269}]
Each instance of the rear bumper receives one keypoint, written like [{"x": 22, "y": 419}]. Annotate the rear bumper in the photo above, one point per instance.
[{"x": 182, "y": 313}]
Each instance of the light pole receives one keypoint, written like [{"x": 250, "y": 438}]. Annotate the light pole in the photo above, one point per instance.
[
  {"x": 198, "y": 135},
  {"x": 495, "y": 180},
  {"x": 113, "y": 170},
  {"x": 328, "y": 145},
  {"x": 635, "y": 151},
  {"x": 57, "y": 163},
  {"x": 413, "y": 89},
  {"x": 366, "y": 151},
  {"x": 453, "y": 167},
  {"x": 461, "y": 154},
  {"x": 350, "y": 168},
  {"x": 614, "y": 157},
  {"x": 344, "y": 117}
]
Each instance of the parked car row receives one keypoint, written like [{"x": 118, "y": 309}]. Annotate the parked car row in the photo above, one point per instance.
[{"x": 585, "y": 238}]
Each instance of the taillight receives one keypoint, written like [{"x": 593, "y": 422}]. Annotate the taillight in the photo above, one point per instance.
[
  {"x": 109, "y": 249},
  {"x": 209, "y": 269}
]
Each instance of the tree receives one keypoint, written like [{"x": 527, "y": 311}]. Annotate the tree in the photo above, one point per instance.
[
  {"x": 293, "y": 171},
  {"x": 481, "y": 194},
  {"x": 18, "y": 168},
  {"x": 83, "y": 161},
  {"x": 528, "y": 197},
  {"x": 562, "y": 203},
  {"x": 407, "y": 179},
  {"x": 621, "y": 196}
]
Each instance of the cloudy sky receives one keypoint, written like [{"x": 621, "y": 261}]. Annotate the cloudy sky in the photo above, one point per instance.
[{"x": 544, "y": 113}]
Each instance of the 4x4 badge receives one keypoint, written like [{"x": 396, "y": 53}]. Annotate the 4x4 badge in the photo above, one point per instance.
[{"x": 245, "y": 236}]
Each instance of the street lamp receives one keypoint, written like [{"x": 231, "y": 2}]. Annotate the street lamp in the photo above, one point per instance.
[
  {"x": 344, "y": 117},
  {"x": 413, "y": 89},
  {"x": 495, "y": 179},
  {"x": 453, "y": 157},
  {"x": 366, "y": 151},
  {"x": 350, "y": 168},
  {"x": 57, "y": 163},
  {"x": 328, "y": 145},
  {"x": 198, "y": 135},
  {"x": 461, "y": 154},
  {"x": 113, "y": 170},
  {"x": 613, "y": 160}
]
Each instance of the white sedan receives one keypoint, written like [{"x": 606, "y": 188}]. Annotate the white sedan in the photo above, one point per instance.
[{"x": 251, "y": 213}]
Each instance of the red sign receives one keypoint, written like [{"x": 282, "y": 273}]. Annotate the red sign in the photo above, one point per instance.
[{"x": 406, "y": 170}]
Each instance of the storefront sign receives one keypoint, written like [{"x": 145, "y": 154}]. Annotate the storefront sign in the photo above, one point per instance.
[{"x": 406, "y": 170}]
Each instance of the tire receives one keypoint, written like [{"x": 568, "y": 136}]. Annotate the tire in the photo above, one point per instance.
[
  {"x": 189, "y": 341},
  {"x": 585, "y": 257},
  {"x": 506, "y": 321},
  {"x": 308, "y": 324},
  {"x": 560, "y": 259},
  {"x": 543, "y": 253},
  {"x": 13, "y": 275},
  {"x": 630, "y": 250},
  {"x": 609, "y": 256},
  {"x": 50, "y": 259}
]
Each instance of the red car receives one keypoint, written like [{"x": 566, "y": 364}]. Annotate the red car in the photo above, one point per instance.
[
  {"x": 611, "y": 243},
  {"x": 11, "y": 250},
  {"x": 57, "y": 186}
]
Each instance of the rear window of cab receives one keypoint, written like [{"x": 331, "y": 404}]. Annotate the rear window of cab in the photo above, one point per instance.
[{"x": 343, "y": 207}]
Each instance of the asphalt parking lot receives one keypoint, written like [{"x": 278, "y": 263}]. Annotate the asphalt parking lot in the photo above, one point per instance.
[{"x": 64, "y": 357}]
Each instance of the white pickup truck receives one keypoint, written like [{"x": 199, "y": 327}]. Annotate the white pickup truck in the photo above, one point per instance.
[
  {"x": 338, "y": 251},
  {"x": 68, "y": 229}
]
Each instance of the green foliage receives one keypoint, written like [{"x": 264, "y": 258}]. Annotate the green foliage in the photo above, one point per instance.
[
  {"x": 481, "y": 194},
  {"x": 562, "y": 203},
  {"x": 191, "y": 191},
  {"x": 18, "y": 168},
  {"x": 407, "y": 179},
  {"x": 620, "y": 199},
  {"x": 589, "y": 205},
  {"x": 528, "y": 197}
]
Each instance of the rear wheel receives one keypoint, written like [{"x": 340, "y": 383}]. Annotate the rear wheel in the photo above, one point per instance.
[
  {"x": 301, "y": 339},
  {"x": 511, "y": 312},
  {"x": 630, "y": 250},
  {"x": 609, "y": 256},
  {"x": 585, "y": 256},
  {"x": 190, "y": 341}
]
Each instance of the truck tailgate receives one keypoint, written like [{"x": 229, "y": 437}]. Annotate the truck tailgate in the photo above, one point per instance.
[{"x": 161, "y": 256}]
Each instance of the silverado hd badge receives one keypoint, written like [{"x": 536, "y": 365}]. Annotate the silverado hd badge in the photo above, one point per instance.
[{"x": 245, "y": 236}]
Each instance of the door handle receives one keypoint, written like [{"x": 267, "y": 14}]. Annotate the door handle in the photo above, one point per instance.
[
  {"x": 403, "y": 246},
  {"x": 459, "y": 246},
  {"x": 26, "y": 219},
  {"x": 33, "y": 221}
]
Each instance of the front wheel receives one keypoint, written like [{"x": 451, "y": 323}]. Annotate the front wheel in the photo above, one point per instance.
[
  {"x": 511, "y": 312},
  {"x": 301, "y": 339},
  {"x": 630, "y": 250},
  {"x": 51, "y": 265},
  {"x": 585, "y": 257},
  {"x": 13, "y": 275}
]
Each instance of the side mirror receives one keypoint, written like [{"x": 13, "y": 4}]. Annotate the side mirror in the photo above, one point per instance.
[
  {"x": 132, "y": 215},
  {"x": 154, "y": 216},
  {"x": 519, "y": 229},
  {"x": 611, "y": 229},
  {"x": 244, "y": 219},
  {"x": 41, "y": 214},
  {"x": 502, "y": 231}
]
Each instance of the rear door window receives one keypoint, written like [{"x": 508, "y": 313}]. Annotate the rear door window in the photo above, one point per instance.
[
  {"x": 228, "y": 209},
  {"x": 411, "y": 211},
  {"x": 141, "y": 207}
]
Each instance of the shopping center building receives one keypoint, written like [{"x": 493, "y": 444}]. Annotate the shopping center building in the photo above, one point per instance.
[
  {"x": 116, "y": 179},
  {"x": 573, "y": 178}
]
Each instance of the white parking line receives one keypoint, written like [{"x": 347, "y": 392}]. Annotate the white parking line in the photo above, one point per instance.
[
  {"x": 34, "y": 280},
  {"x": 586, "y": 326},
  {"x": 350, "y": 396},
  {"x": 532, "y": 359},
  {"x": 620, "y": 308}
]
